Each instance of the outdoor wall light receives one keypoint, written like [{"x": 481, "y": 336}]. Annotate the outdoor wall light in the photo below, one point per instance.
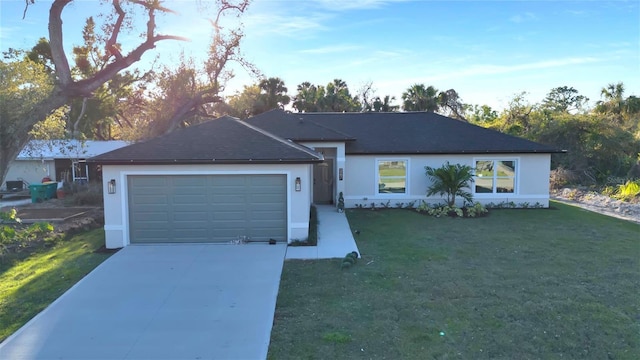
[
  {"x": 298, "y": 184},
  {"x": 340, "y": 174},
  {"x": 111, "y": 186}
]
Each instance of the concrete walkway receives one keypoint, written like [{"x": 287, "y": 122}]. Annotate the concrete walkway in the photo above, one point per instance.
[
  {"x": 335, "y": 239},
  {"x": 8, "y": 202},
  {"x": 162, "y": 302}
]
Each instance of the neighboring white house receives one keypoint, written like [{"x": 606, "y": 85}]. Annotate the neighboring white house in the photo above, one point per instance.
[
  {"x": 59, "y": 160},
  {"x": 255, "y": 180}
]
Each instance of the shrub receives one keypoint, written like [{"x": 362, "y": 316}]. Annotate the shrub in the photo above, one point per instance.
[
  {"x": 476, "y": 210},
  {"x": 628, "y": 190},
  {"x": 469, "y": 210},
  {"x": 86, "y": 195},
  {"x": 450, "y": 180},
  {"x": 609, "y": 191},
  {"x": 561, "y": 177},
  {"x": 345, "y": 265},
  {"x": 349, "y": 259},
  {"x": 13, "y": 236}
]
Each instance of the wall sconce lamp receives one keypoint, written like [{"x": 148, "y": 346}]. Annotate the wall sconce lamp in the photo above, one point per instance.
[
  {"x": 340, "y": 174},
  {"x": 298, "y": 184},
  {"x": 111, "y": 186}
]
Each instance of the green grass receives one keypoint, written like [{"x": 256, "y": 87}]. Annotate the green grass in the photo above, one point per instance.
[
  {"x": 518, "y": 284},
  {"x": 28, "y": 284}
]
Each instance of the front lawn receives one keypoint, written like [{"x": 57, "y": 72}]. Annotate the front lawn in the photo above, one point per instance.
[
  {"x": 29, "y": 283},
  {"x": 518, "y": 284}
]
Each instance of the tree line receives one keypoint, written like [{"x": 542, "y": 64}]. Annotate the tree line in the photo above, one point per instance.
[{"x": 97, "y": 96}]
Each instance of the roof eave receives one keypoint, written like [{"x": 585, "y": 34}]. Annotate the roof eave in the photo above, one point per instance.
[
  {"x": 320, "y": 139},
  {"x": 458, "y": 152},
  {"x": 205, "y": 162}
]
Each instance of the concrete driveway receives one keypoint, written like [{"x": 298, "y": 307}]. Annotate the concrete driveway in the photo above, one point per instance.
[{"x": 162, "y": 302}]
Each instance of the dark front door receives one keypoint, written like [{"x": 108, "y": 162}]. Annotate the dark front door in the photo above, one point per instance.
[{"x": 323, "y": 182}]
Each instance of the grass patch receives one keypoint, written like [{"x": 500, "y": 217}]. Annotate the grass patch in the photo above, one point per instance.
[
  {"x": 540, "y": 283},
  {"x": 30, "y": 282}
]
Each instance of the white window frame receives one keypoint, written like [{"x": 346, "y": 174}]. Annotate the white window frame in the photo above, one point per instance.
[
  {"x": 406, "y": 177},
  {"x": 516, "y": 177}
]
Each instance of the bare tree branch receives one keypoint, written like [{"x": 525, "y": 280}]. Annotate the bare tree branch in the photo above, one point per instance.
[
  {"x": 111, "y": 46},
  {"x": 199, "y": 99},
  {"x": 26, "y": 6},
  {"x": 60, "y": 61},
  {"x": 74, "y": 130}
]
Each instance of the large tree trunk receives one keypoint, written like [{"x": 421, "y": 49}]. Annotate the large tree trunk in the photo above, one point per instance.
[
  {"x": 67, "y": 88},
  {"x": 11, "y": 146}
]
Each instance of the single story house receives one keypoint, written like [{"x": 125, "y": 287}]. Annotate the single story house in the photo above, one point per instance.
[
  {"x": 228, "y": 179},
  {"x": 59, "y": 160}
]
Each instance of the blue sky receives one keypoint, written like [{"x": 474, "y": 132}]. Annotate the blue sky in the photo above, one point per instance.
[{"x": 486, "y": 50}]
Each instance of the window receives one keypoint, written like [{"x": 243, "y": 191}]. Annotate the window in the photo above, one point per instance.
[
  {"x": 392, "y": 176},
  {"x": 495, "y": 176}
]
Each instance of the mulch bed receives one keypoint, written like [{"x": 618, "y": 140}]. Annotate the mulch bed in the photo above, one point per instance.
[{"x": 51, "y": 214}]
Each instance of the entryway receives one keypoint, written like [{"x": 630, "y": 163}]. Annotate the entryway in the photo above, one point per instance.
[{"x": 323, "y": 177}]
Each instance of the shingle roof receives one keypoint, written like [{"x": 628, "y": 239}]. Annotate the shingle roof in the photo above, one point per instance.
[
  {"x": 223, "y": 140},
  {"x": 67, "y": 149},
  {"x": 398, "y": 133},
  {"x": 296, "y": 127}
]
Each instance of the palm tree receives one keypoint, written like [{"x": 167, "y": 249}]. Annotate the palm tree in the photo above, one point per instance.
[
  {"x": 338, "y": 98},
  {"x": 419, "y": 98},
  {"x": 450, "y": 180},
  {"x": 384, "y": 104},
  {"x": 274, "y": 93},
  {"x": 309, "y": 97},
  {"x": 613, "y": 101}
]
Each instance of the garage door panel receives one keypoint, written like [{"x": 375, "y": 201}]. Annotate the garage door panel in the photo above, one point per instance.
[
  {"x": 150, "y": 236},
  {"x": 267, "y": 180},
  {"x": 229, "y": 234},
  {"x": 187, "y": 181},
  {"x": 263, "y": 198},
  {"x": 239, "y": 216},
  {"x": 191, "y": 216},
  {"x": 194, "y": 201},
  {"x": 191, "y": 233},
  {"x": 266, "y": 207},
  {"x": 152, "y": 216},
  {"x": 149, "y": 181},
  {"x": 227, "y": 180},
  {"x": 266, "y": 215},
  {"x": 186, "y": 208},
  {"x": 228, "y": 199},
  {"x": 207, "y": 208},
  {"x": 153, "y": 199}
]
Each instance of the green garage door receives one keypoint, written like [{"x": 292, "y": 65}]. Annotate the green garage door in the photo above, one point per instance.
[{"x": 207, "y": 208}]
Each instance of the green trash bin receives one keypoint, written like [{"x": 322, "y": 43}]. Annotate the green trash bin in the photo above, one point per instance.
[
  {"x": 38, "y": 193},
  {"x": 51, "y": 187}
]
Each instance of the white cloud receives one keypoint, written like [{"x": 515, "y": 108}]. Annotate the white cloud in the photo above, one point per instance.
[
  {"x": 343, "y": 5},
  {"x": 331, "y": 49},
  {"x": 520, "y": 18},
  {"x": 290, "y": 26},
  {"x": 478, "y": 70}
]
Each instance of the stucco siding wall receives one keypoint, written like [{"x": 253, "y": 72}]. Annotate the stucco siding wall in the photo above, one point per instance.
[
  {"x": 361, "y": 186},
  {"x": 31, "y": 171},
  {"x": 116, "y": 208},
  {"x": 534, "y": 174}
]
